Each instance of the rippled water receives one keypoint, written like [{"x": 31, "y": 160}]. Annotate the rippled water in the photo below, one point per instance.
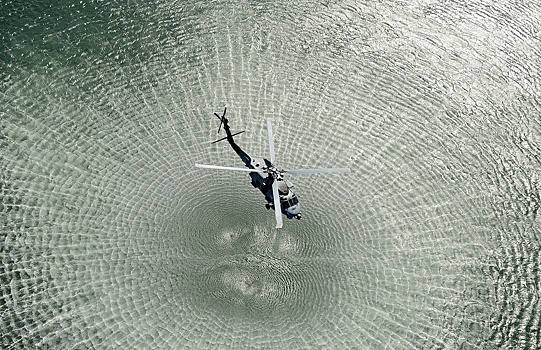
[{"x": 110, "y": 238}]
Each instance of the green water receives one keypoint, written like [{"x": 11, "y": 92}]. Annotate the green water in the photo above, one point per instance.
[{"x": 111, "y": 238}]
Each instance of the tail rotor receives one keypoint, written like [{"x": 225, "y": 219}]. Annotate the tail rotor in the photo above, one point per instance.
[{"x": 221, "y": 118}]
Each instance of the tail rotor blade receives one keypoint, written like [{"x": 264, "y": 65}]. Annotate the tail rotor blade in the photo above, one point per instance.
[
  {"x": 318, "y": 171},
  {"x": 220, "y": 127},
  {"x": 271, "y": 142},
  {"x": 221, "y": 119},
  {"x": 277, "y": 207}
]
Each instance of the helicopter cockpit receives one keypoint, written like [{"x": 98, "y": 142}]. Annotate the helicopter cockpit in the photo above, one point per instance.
[{"x": 288, "y": 200}]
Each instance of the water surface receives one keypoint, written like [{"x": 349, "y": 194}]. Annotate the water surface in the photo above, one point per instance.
[{"x": 110, "y": 238}]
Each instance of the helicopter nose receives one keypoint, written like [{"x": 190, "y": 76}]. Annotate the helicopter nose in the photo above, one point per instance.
[{"x": 294, "y": 209}]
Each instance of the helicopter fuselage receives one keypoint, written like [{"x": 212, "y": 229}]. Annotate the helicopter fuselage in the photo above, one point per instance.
[
  {"x": 289, "y": 202},
  {"x": 266, "y": 177}
]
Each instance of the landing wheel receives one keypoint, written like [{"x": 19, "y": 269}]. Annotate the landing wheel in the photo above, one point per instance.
[
  {"x": 267, "y": 205},
  {"x": 298, "y": 217}
]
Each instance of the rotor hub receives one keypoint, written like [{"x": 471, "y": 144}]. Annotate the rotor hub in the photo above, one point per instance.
[{"x": 274, "y": 173}]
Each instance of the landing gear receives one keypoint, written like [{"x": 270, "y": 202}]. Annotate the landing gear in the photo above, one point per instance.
[
  {"x": 268, "y": 206},
  {"x": 298, "y": 216}
]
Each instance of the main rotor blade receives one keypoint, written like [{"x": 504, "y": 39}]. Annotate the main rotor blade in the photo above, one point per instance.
[
  {"x": 218, "y": 167},
  {"x": 271, "y": 142},
  {"x": 318, "y": 171},
  {"x": 277, "y": 207}
]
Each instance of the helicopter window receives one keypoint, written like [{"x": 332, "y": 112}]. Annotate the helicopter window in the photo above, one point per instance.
[{"x": 290, "y": 202}]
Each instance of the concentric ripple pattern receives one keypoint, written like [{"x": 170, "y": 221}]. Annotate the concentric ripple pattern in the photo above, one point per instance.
[{"x": 110, "y": 238}]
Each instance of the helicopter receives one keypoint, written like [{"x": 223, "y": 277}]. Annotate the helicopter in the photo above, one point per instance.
[{"x": 266, "y": 177}]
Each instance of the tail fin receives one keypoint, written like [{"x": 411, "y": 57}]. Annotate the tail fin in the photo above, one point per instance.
[
  {"x": 225, "y": 138},
  {"x": 225, "y": 122}
]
